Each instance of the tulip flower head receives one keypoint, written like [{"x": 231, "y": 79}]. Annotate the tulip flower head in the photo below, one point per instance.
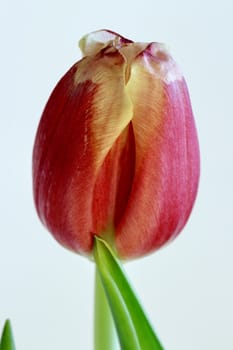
[{"x": 116, "y": 152}]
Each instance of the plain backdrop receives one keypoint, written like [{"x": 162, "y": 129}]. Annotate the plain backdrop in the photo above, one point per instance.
[{"x": 187, "y": 287}]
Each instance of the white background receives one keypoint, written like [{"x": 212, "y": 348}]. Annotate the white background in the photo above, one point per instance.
[{"x": 187, "y": 287}]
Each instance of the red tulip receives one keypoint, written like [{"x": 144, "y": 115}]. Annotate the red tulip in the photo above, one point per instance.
[{"x": 116, "y": 152}]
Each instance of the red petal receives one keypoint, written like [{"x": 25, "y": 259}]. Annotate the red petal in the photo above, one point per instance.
[
  {"x": 113, "y": 184},
  {"x": 167, "y": 162},
  {"x": 84, "y": 116}
]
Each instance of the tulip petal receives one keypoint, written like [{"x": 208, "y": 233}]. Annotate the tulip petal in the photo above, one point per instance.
[
  {"x": 112, "y": 107},
  {"x": 167, "y": 157},
  {"x": 92, "y": 43},
  {"x": 85, "y": 115},
  {"x": 113, "y": 184}
]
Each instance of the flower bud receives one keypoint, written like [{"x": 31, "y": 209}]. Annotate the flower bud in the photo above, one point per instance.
[{"x": 116, "y": 152}]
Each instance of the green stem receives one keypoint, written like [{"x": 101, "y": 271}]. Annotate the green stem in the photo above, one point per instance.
[{"x": 105, "y": 337}]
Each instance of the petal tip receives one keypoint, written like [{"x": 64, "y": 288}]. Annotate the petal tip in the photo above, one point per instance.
[{"x": 95, "y": 41}]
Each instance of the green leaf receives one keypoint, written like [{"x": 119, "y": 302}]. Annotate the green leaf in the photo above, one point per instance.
[
  {"x": 133, "y": 328},
  {"x": 7, "y": 340}
]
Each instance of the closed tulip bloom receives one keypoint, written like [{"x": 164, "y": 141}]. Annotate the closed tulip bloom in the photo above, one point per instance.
[{"x": 116, "y": 152}]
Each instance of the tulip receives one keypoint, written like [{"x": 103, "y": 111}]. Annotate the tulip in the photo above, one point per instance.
[{"x": 116, "y": 152}]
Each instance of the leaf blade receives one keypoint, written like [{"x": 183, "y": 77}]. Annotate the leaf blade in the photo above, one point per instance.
[
  {"x": 7, "y": 340},
  {"x": 133, "y": 327}
]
